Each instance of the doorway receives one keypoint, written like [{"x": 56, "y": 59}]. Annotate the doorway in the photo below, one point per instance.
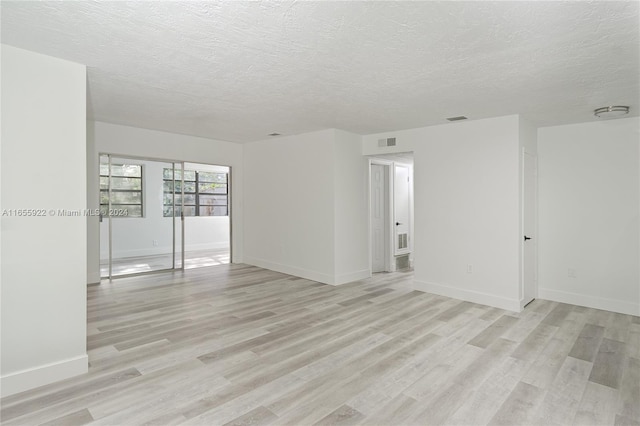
[
  {"x": 391, "y": 212},
  {"x": 529, "y": 290},
  {"x": 162, "y": 215}
]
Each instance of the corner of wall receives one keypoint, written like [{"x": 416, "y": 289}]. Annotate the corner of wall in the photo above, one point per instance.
[
  {"x": 350, "y": 233},
  {"x": 528, "y": 135}
]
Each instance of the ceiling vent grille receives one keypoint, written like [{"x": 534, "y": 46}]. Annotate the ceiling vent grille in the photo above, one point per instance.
[
  {"x": 461, "y": 117},
  {"x": 387, "y": 142}
]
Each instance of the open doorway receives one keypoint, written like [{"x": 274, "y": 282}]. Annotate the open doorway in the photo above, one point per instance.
[
  {"x": 391, "y": 212},
  {"x": 160, "y": 215}
]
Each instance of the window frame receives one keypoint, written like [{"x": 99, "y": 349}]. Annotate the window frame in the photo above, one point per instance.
[
  {"x": 110, "y": 190},
  {"x": 196, "y": 193}
]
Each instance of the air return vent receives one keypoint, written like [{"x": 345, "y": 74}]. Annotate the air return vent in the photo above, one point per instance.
[
  {"x": 387, "y": 142},
  {"x": 461, "y": 117},
  {"x": 402, "y": 241}
]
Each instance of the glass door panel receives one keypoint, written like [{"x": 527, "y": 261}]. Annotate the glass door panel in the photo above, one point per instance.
[
  {"x": 207, "y": 225},
  {"x": 139, "y": 226}
]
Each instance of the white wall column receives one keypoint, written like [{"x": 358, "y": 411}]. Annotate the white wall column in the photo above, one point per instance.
[{"x": 43, "y": 251}]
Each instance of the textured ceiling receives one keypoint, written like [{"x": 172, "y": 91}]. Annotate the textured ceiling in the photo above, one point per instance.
[{"x": 240, "y": 70}]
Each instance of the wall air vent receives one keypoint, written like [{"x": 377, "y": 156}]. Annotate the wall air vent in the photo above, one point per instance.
[
  {"x": 462, "y": 117},
  {"x": 387, "y": 142}
]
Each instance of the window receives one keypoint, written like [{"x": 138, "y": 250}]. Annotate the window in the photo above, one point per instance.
[
  {"x": 205, "y": 193},
  {"x": 126, "y": 189}
]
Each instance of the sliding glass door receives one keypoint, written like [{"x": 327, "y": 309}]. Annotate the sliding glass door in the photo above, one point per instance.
[{"x": 141, "y": 208}]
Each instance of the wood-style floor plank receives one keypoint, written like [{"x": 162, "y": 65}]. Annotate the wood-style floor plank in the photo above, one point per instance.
[
  {"x": 609, "y": 363},
  {"x": 240, "y": 345}
]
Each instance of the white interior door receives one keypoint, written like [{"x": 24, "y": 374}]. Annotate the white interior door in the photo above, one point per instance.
[
  {"x": 402, "y": 209},
  {"x": 529, "y": 241},
  {"x": 379, "y": 218}
]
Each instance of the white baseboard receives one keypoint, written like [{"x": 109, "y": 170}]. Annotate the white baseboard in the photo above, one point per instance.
[
  {"x": 291, "y": 270},
  {"x": 468, "y": 295},
  {"x": 351, "y": 277},
  {"x": 620, "y": 306},
  {"x": 308, "y": 274},
  {"x": 31, "y": 378}
]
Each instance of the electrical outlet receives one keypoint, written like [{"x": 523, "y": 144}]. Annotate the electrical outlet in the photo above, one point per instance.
[
  {"x": 155, "y": 243},
  {"x": 469, "y": 269},
  {"x": 571, "y": 273}
]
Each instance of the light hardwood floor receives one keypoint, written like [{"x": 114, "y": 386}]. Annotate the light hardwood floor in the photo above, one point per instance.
[
  {"x": 235, "y": 344},
  {"x": 138, "y": 264}
]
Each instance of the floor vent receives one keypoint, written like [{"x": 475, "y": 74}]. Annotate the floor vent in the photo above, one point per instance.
[{"x": 387, "y": 142}]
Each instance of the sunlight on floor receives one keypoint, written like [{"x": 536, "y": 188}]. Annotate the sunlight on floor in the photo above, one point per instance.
[{"x": 138, "y": 264}]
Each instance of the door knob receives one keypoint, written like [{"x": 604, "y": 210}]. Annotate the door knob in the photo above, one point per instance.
[
  {"x": 526, "y": 238},
  {"x": 398, "y": 224}
]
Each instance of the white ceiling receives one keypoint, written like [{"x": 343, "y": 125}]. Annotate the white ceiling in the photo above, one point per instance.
[{"x": 240, "y": 70}]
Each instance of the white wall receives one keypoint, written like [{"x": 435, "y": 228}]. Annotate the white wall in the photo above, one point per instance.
[
  {"x": 132, "y": 236},
  {"x": 203, "y": 233},
  {"x": 43, "y": 258},
  {"x": 126, "y": 140},
  {"x": 289, "y": 205},
  {"x": 467, "y": 207},
  {"x": 351, "y": 208},
  {"x": 589, "y": 204},
  {"x": 406, "y": 141},
  {"x": 305, "y": 206}
]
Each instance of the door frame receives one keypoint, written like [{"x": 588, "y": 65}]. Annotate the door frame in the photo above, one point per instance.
[
  {"x": 523, "y": 213},
  {"x": 182, "y": 219},
  {"x": 389, "y": 258}
]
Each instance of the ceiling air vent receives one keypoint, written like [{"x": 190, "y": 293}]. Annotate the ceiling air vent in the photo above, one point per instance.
[
  {"x": 462, "y": 117},
  {"x": 274, "y": 134},
  {"x": 387, "y": 142}
]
